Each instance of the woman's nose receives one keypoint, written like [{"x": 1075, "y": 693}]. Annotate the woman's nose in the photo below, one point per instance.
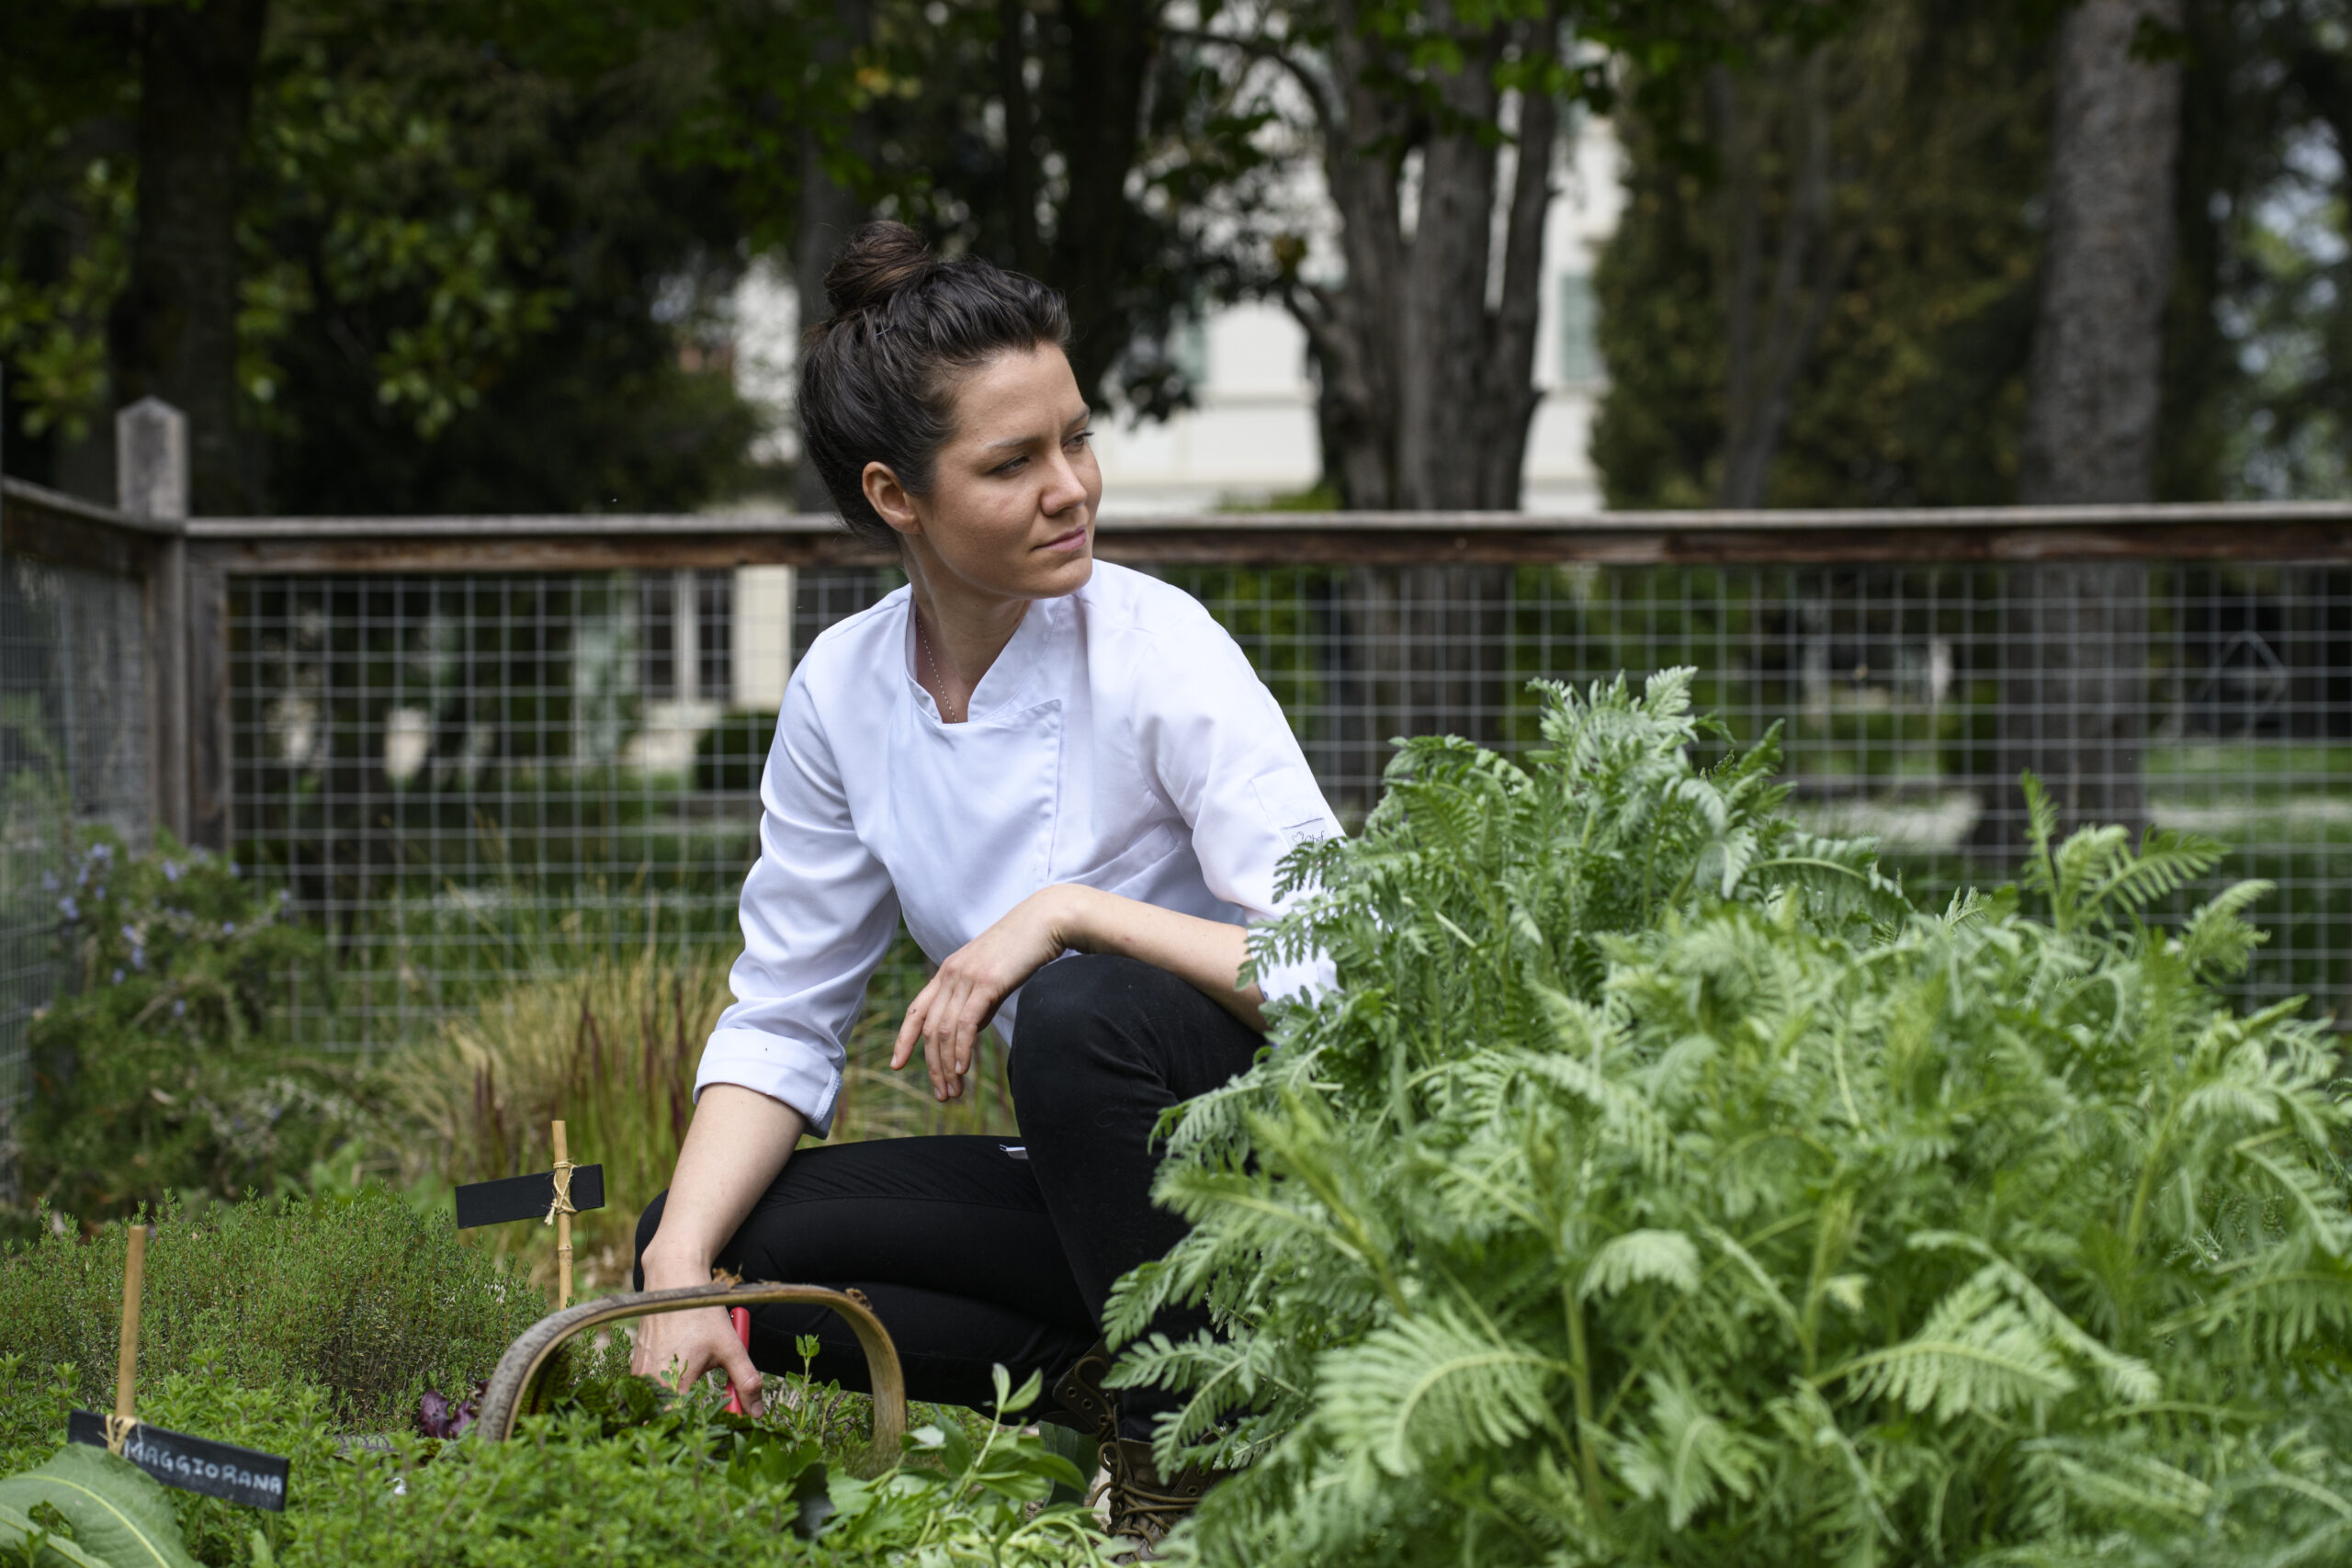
[{"x": 1065, "y": 486}]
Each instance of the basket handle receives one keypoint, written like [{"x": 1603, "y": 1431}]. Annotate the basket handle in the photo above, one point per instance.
[{"x": 514, "y": 1382}]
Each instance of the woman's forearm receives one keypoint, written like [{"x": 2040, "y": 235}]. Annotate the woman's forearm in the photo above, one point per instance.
[
  {"x": 735, "y": 1148},
  {"x": 1209, "y": 954}
]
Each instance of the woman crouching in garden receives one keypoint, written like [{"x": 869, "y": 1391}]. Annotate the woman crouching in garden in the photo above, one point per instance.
[{"x": 1067, "y": 780}]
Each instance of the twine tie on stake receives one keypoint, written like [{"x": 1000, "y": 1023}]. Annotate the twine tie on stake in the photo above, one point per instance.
[
  {"x": 118, "y": 1430},
  {"x": 560, "y": 1212},
  {"x": 563, "y": 1204}
]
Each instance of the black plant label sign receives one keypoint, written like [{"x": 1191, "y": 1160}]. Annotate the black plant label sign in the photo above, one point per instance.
[
  {"x": 527, "y": 1197},
  {"x": 193, "y": 1464}
]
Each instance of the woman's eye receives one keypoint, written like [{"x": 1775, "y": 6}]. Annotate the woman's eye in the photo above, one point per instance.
[
  {"x": 1081, "y": 438},
  {"x": 1011, "y": 466}
]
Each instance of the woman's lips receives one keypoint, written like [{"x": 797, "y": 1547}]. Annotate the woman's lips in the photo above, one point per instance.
[{"x": 1068, "y": 543}]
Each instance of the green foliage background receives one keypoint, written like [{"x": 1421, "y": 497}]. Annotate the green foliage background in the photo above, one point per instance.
[
  {"x": 1659, "y": 1187},
  {"x": 162, "y": 1068},
  {"x": 1914, "y": 390}
]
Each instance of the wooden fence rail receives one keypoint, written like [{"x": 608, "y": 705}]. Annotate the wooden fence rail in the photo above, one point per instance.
[
  {"x": 185, "y": 564},
  {"x": 2223, "y": 531}
]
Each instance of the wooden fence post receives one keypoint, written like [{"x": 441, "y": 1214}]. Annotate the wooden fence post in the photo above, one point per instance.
[{"x": 151, "y": 482}]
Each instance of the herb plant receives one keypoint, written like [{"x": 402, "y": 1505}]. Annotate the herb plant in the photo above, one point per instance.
[
  {"x": 1658, "y": 1187},
  {"x": 366, "y": 1299}
]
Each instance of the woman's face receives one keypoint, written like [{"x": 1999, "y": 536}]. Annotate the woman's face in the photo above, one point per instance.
[{"x": 1010, "y": 511}]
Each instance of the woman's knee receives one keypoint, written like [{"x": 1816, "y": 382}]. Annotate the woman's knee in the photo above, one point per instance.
[
  {"x": 1071, "y": 993},
  {"x": 1079, "y": 1016}
]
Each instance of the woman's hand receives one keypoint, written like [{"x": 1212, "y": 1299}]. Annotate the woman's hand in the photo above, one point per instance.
[
  {"x": 948, "y": 1014},
  {"x": 677, "y": 1348},
  {"x": 734, "y": 1150}
]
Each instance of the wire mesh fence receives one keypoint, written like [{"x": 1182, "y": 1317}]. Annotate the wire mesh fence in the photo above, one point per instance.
[
  {"x": 73, "y": 752},
  {"x": 465, "y": 777}
]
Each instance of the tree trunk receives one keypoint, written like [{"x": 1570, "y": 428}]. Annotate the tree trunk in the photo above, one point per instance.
[
  {"x": 2091, "y": 403},
  {"x": 174, "y": 334},
  {"x": 1425, "y": 365},
  {"x": 1111, "y": 49},
  {"x": 1770, "y": 323},
  {"x": 2075, "y": 649},
  {"x": 829, "y": 212}
]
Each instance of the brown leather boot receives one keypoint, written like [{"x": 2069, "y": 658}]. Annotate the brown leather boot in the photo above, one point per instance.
[
  {"x": 1080, "y": 1392},
  {"x": 1145, "y": 1504}
]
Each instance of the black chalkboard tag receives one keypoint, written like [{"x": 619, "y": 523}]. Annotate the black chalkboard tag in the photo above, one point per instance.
[
  {"x": 247, "y": 1476},
  {"x": 527, "y": 1197}
]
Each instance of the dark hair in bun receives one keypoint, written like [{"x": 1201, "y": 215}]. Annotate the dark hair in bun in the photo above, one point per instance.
[{"x": 877, "y": 377}]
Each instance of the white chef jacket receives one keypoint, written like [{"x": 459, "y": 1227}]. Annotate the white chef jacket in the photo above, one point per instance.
[{"x": 1121, "y": 741}]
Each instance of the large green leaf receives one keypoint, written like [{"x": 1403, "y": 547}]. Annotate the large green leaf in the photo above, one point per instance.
[
  {"x": 118, "y": 1512},
  {"x": 17, "y": 1529}
]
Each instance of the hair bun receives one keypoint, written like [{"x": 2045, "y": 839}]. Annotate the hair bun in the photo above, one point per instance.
[{"x": 880, "y": 259}]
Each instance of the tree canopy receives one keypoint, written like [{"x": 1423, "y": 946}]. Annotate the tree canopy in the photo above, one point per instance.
[
  {"x": 1907, "y": 344},
  {"x": 394, "y": 255}
]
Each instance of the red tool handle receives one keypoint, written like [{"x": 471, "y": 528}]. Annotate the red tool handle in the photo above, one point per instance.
[{"x": 741, "y": 1318}]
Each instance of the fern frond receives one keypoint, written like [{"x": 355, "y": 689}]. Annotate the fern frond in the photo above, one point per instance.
[
  {"x": 1431, "y": 1387},
  {"x": 1688, "y": 1456},
  {"x": 1977, "y": 1354},
  {"x": 2218, "y": 938},
  {"x": 1669, "y": 1258}
]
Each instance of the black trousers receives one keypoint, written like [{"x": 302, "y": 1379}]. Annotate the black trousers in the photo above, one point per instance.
[{"x": 974, "y": 1250}]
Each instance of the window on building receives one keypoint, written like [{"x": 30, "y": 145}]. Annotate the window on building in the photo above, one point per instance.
[
  {"x": 1579, "y": 321},
  {"x": 714, "y": 635},
  {"x": 657, "y": 634},
  {"x": 687, "y": 635}
]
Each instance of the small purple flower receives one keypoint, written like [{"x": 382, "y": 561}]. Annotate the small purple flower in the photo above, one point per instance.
[
  {"x": 138, "y": 959},
  {"x": 48, "y": 881},
  {"x": 179, "y": 1010},
  {"x": 232, "y": 869},
  {"x": 118, "y": 977},
  {"x": 171, "y": 871},
  {"x": 228, "y": 928},
  {"x": 67, "y": 908}
]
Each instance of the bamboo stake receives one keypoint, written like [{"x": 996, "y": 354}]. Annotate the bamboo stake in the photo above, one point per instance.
[
  {"x": 563, "y": 1221},
  {"x": 125, "y": 1367}
]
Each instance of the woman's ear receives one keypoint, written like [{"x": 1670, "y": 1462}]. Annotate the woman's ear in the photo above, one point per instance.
[{"x": 889, "y": 498}]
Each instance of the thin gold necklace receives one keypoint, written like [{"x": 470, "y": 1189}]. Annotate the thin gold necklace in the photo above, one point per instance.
[{"x": 922, "y": 646}]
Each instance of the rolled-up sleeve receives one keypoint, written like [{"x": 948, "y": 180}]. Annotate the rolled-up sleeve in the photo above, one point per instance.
[
  {"x": 1218, "y": 745},
  {"x": 818, "y": 910}
]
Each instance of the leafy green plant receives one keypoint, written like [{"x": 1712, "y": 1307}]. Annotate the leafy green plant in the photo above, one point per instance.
[
  {"x": 627, "y": 1478},
  {"x": 118, "y": 1514},
  {"x": 158, "y": 1071},
  {"x": 1658, "y": 1187}
]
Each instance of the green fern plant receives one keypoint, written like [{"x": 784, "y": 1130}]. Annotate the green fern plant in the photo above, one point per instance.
[{"x": 1659, "y": 1187}]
